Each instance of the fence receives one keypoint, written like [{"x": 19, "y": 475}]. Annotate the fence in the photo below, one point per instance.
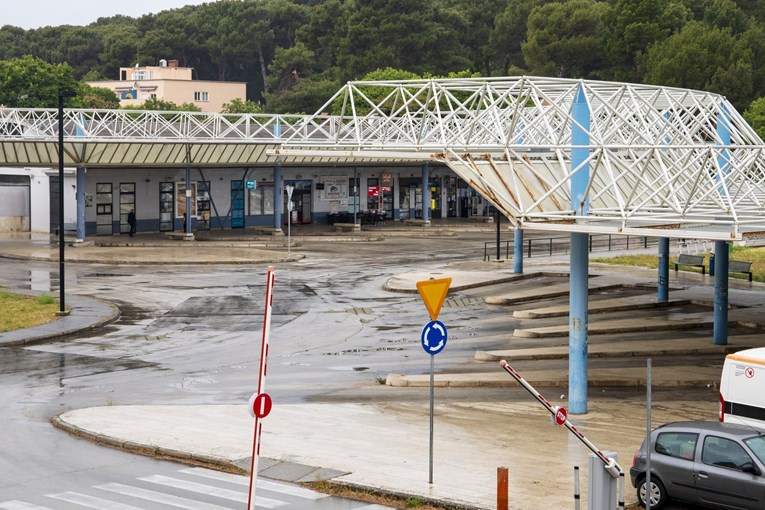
[{"x": 548, "y": 246}]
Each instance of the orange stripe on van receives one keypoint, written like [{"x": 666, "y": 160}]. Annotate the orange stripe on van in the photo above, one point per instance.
[{"x": 746, "y": 359}]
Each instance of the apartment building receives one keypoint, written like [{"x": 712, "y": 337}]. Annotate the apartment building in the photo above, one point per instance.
[{"x": 170, "y": 82}]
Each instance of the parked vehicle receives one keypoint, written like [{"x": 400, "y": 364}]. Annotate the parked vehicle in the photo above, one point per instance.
[
  {"x": 719, "y": 465},
  {"x": 742, "y": 388}
]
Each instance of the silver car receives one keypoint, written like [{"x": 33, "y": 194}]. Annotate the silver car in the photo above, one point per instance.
[{"x": 705, "y": 463}]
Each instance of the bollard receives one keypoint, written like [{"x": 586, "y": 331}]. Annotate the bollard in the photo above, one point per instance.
[
  {"x": 502, "y": 500},
  {"x": 621, "y": 490},
  {"x": 576, "y": 488}
]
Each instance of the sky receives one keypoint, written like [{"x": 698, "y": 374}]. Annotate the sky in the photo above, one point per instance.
[{"x": 40, "y": 13}]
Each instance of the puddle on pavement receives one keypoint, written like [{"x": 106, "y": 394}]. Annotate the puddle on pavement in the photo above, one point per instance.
[{"x": 42, "y": 364}]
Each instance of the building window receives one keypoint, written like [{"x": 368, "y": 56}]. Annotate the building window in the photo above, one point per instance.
[
  {"x": 201, "y": 96},
  {"x": 153, "y": 96},
  {"x": 262, "y": 199}
]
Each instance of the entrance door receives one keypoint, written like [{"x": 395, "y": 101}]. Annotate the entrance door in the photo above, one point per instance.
[
  {"x": 54, "y": 198},
  {"x": 237, "y": 204},
  {"x": 166, "y": 203},
  {"x": 127, "y": 202},
  {"x": 203, "y": 205},
  {"x": 104, "y": 225}
]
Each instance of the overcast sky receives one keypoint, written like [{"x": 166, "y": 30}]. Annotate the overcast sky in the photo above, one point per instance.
[{"x": 40, "y": 13}]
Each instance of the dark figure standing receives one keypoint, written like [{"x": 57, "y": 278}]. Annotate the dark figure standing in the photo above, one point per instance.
[{"x": 131, "y": 222}]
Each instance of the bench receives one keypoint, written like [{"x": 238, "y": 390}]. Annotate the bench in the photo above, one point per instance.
[
  {"x": 740, "y": 266},
  {"x": 347, "y": 227},
  {"x": 692, "y": 261},
  {"x": 485, "y": 219},
  {"x": 182, "y": 236}
]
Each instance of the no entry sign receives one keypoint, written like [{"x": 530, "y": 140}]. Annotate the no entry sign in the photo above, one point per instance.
[{"x": 260, "y": 405}]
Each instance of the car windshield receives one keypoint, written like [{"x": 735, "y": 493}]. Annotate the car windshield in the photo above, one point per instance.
[{"x": 757, "y": 445}]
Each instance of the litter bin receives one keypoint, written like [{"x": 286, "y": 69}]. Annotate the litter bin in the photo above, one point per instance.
[{"x": 711, "y": 264}]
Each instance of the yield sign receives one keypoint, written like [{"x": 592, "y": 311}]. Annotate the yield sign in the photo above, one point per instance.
[{"x": 433, "y": 293}]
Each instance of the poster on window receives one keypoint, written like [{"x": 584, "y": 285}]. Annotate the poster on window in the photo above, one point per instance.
[{"x": 335, "y": 188}]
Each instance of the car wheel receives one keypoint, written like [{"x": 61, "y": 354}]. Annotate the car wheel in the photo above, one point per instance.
[{"x": 658, "y": 493}]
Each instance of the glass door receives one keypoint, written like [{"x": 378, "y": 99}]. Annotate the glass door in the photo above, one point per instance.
[
  {"x": 166, "y": 202},
  {"x": 127, "y": 202},
  {"x": 237, "y": 204},
  {"x": 104, "y": 209}
]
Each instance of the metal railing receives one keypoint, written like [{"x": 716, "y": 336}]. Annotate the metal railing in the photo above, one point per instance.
[{"x": 548, "y": 246}]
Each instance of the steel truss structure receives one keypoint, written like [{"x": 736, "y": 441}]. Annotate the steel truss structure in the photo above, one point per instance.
[{"x": 660, "y": 161}]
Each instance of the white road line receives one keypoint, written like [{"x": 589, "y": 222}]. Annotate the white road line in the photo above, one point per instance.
[
  {"x": 20, "y": 505},
  {"x": 268, "y": 485},
  {"x": 91, "y": 501},
  {"x": 199, "y": 488},
  {"x": 217, "y": 475},
  {"x": 159, "y": 497},
  {"x": 291, "y": 490}
]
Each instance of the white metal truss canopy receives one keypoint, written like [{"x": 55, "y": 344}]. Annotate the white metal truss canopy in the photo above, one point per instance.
[{"x": 662, "y": 161}]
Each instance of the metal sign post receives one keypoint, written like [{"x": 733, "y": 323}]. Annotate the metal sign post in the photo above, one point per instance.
[
  {"x": 433, "y": 339},
  {"x": 260, "y": 402}
]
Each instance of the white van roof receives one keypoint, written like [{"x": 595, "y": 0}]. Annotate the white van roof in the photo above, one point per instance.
[{"x": 754, "y": 356}]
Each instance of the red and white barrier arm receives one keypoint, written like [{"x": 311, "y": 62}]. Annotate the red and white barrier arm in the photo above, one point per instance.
[
  {"x": 559, "y": 414},
  {"x": 260, "y": 402}
]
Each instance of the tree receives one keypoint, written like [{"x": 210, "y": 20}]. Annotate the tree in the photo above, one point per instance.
[
  {"x": 30, "y": 82},
  {"x": 95, "y": 97},
  {"x": 564, "y": 39},
  {"x": 236, "y": 105},
  {"x": 163, "y": 106},
  {"x": 755, "y": 116},
  {"x": 474, "y": 20},
  {"x": 631, "y": 26},
  {"x": 510, "y": 32},
  {"x": 403, "y": 34},
  {"x": 704, "y": 58}
]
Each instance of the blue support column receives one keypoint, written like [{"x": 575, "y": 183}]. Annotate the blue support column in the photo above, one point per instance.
[
  {"x": 663, "y": 270},
  {"x": 518, "y": 251},
  {"x": 80, "y": 204},
  {"x": 278, "y": 197},
  {"x": 578, "y": 285},
  {"x": 720, "y": 334},
  {"x": 188, "y": 201},
  {"x": 720, "y": 328},
  {"x": 425, "y": 192}
]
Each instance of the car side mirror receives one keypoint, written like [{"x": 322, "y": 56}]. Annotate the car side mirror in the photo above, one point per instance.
[{"x": 748, "y": 467}]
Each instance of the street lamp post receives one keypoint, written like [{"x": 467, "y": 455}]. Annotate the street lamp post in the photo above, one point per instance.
[{"x": 61, "y": 276}]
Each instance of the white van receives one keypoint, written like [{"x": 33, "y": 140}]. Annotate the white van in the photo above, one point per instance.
[{"x": 742, "y": 388}]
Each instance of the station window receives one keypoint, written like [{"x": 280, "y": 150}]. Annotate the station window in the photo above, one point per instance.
[
  {"x": 201, "y": 96},
  {"x": 262, "y": 199}
]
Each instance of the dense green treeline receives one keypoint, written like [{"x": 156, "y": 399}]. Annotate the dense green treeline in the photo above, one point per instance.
[{"x": 295, "y": 53}]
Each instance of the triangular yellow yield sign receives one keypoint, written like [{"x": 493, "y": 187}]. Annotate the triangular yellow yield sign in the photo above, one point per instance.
[{"x": 433, "y": 293}]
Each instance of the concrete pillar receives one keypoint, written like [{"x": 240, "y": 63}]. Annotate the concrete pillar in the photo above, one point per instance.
[
  {"x": 425, "y": 192},
  {"x": 720, "y": 329},
  {"x": 80, "y": 204},
  {"x": 578, "y": 293},
  {"x": 518, "y": 251},
  {"x": 663, "y": 296},
  {"x": 278, "y": 197}
]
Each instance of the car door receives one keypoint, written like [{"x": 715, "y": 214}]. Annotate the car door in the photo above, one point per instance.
[
  {"x": 720, "y": 480},
  {"x": 672, "y": 461}
]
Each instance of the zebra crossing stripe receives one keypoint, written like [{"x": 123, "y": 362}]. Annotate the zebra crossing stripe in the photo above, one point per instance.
[
  {"x": 158, "y": 497},
  {"x": 20, "y": 505},
  {"x": 268, "y": 485},
  {"x": 199, "y": 488},
  {"x": 91, "y": 501}
]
